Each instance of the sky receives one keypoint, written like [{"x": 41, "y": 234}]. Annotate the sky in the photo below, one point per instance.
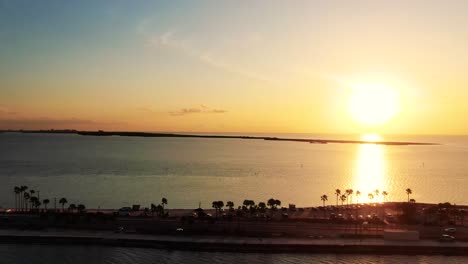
[{"x": 232, "y": 66}]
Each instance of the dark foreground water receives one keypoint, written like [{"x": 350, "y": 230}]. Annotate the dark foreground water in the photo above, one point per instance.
[{"x": 51, "y": 254}]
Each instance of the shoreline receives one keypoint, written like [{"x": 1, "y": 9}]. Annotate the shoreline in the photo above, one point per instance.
[{"x": 236, "y": 244}]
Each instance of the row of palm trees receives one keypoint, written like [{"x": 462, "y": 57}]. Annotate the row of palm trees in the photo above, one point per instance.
[
  {"x": 347, "y": 195},
  {"x": 247, "y": 205},
  {"x": 26, "y": 200}
]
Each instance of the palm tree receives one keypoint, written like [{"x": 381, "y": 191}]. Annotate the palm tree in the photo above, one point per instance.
[
  {"x": 272, "y": 203},
  {"x": 81, "y": 208},
  {"x": 278, "y": 202},
  {"x": 45, "y": 202},
  {"x": 214, "y": 204},
  {"x": 246, "y": 203},
  {"x": 217, "y": 205},
  {"x": 32, "y": 202},
  {"x": 384, "y": 194},
  {"x": 408, "y": 192},
  {"x": 324, "y": 198},
  {"x": 376, "y": 192},
  {"x": 153, "y": 209},
  {"x": 220, "y": 205},
  {"x": 350, "y": 194},
  {"x": 343, "y": 198},
  {"x": 370, "y": 196},
  {"x": 337, "y": 193},
  {"x": 26, "y": 197},
  {"x": 17, "y": 191},
  {"x": 36, "y": 203},
  {"x": 163, "y": 202},
  {"x": 358, "y": 193},
  {"x": 262, "y": 206},
  {"x": 72, "y": 207},
  {"x": 230, "y": 204},
  {"x": 63, "y": 201},
  {"x": 23, "y": 189}
]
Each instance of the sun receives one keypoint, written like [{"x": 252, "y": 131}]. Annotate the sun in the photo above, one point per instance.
[{"x": 373, "y": 104}]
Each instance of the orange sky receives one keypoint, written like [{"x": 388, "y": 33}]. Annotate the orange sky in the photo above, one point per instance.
[{"x": 282, "y": 67}]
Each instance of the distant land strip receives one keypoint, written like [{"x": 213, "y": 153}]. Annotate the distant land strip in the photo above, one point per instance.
[{"x": 149, "y": 134}]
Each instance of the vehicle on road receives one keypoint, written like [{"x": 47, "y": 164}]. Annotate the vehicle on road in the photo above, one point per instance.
[
  {"x": 447, "y": 238},
  {"x": 450, "y": 230},
  {"x": 119, "y": 229}
]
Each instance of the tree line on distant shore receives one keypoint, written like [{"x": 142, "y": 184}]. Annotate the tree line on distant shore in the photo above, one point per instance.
[{"x": 27, "y": 199}]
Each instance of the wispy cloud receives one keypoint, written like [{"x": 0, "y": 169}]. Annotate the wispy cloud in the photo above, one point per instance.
[
  {"x": 202, "y": 109},
  {"x": 172, "y": 40},
  {"x": 7, "y": 112}
]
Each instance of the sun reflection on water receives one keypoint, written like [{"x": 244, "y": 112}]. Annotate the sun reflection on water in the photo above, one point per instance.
[{"x": 370, "y": 169}]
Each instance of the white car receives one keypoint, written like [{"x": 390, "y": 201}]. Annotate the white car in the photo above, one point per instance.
[
  {"x": 447, "y": 238},
  {"x": 450, "y": 230}
]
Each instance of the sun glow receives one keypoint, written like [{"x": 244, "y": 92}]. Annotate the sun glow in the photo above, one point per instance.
[{"x": 373, "y": 104}]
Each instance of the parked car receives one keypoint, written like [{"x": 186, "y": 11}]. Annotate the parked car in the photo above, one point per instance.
[
  {"x": 450, "y": 230},
  {"x": 119, "y": 229},
  {"x": 447, "y": 238},
  {"x": 124, "y": 211}
]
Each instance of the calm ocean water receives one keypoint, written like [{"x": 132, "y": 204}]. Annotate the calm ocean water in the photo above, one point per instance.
[
  {"x": 112, "y": 172},
  {"x": 47, "y": 254}
]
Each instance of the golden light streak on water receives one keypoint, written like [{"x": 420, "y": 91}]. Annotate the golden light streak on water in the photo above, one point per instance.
[{"x": 370, "y": 168}]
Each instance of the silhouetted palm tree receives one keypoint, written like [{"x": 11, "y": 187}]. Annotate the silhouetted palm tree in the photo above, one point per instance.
[
  {"x": 214, "y": 204},
  {"x": 17, "y": 191},
  {"x": 384, "y": 194},
  {"x": 408, "y": 192},
  {"x": 81, "y": 208},
  {"x": 63, "y": 201},
  {"x": 45, "y": 202},
  {"x": 262, "y": 206},
  {"x": 32, "y": 200},
  {"x": 324, "y": 198},
  {"x": 230, "y": 204},
  {"x": 36, "y": 203},
  {"x": 163, "y": 202},
  {"x": 343, "y": 198},
  {"x": 376, "y": 192},
  {"x": 348, "y": 193},
  {"x": 358, "y": 193},
  {"x": 278, "y": 202},
  {"x": 351, "y": 192},
  {"x": 272, "y": 203},
  {"x": 72, "y": 207},
  {"x": 26, "y": 197},
  {"x": 370, "y": 196},
  {"x": 337, "y": 193},
  {"x": 23, "y": 189},
  {"x": 153, "y": 209}
]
